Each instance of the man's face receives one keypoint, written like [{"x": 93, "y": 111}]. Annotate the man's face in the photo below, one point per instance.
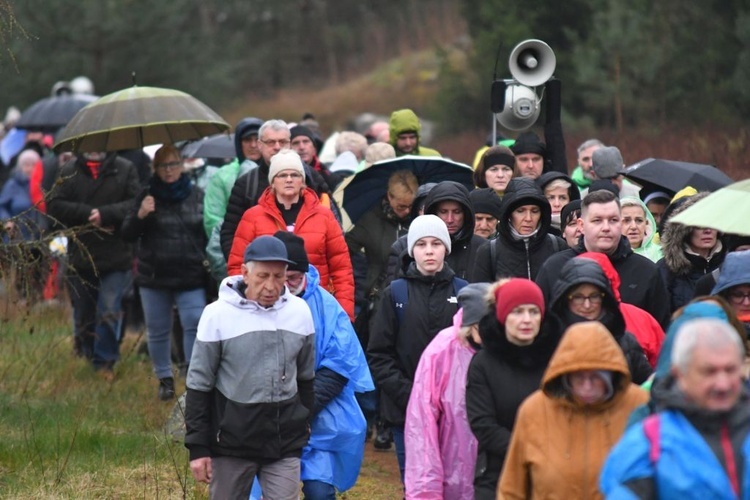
[
  {"x": 401, "y": 205},
  {"x": 250, "y": 147},
  {"x": 304, "y": 147},
  {"x": 272, "y": 142},
  {"x": 452, "y": 213},
  {"x": 484, "y": 225},
  {"x": 530, "y": 165},
  {"x": 295, "y": 281},
  {"x": 713, "y": 377},
  {"x": 265, "y": 281},
  {"x": 407, "y": 142},
  {"x": 429, "y": 255},
  {"x": 601, "y": 227},
  {"x": 584, "y": 160},
  {"x": 657, "y": 209}
]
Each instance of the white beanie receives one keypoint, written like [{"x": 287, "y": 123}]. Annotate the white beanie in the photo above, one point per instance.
[
  {"x": 286, "y": 159},
  {"x": 428, "y": 225}
]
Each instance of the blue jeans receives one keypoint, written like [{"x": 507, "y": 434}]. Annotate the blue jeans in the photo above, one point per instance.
[
  {"x": 318, "y": 490},
  {"x": 398, "y": 440},
  {"x": 97, "y": 315},
  {"x": 157, "y": 311}
]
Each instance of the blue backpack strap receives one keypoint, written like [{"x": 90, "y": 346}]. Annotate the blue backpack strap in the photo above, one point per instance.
[
  {"x": 651, "y": 429},
  {"x": 458, "y": 284},
  {"x": 399, "y": 297}
]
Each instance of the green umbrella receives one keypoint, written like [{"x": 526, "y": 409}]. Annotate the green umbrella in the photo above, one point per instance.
[
  {"x": 725, "y": 210},
  {"x": 137, "y": 117}
]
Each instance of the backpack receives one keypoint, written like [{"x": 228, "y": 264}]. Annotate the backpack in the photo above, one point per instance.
[{"x": 400, "y": 295}]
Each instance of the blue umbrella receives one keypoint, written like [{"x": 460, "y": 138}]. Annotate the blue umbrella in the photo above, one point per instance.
[
  {"x": 12, "y": 144},
  {"x": 369, "y": 186}
]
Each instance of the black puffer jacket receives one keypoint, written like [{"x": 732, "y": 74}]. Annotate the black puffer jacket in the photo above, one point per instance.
[
  {"x": 501, "y": 376},
  {"x": 520, "y": 258},
  {"x": 171, "y": 242},
  {"x": 679, "y": 269},
  {"x": 464, "y": 243},
  {"x": 112, "y": 193},
  {"x": 395, "y": 347},
  {"x": 577, "y": 272}
]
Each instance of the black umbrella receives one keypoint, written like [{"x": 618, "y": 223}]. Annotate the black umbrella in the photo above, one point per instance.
[
  {"x": 369, "y": 186},
  {"x": 671, "y": 175},
  {"x": 51, "y": 113},
  {"x": 219, "y": 146}
]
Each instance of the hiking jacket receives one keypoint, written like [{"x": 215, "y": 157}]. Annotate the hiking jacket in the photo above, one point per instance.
[
  {"x": 520, "y": 258},
  {"x": 404, "y": 120},
  {"x": 324, "y": 242},
  {"x": 440, "y": 448},
  {"x": 250, "y": 382},
  {"x": 559, "y": 445}
]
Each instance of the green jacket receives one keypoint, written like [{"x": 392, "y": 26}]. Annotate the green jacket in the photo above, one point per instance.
[
  {"x": 218, "y": 190},
  {"x": 404, "y": 120},
  {"x": 650, "y": 247},
  {"x": 581, "y": 180}
]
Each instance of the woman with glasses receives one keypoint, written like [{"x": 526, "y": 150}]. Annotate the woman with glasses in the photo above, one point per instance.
[
  {"x": 167, "y": 222},
  {"x": 289, "y": 205},
  {"x": 734, "y": 285},
  {"x": 584, "y": 293}
]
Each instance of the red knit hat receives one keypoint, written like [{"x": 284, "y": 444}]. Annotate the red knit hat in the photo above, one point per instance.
[{"x": 514, "y": 293}]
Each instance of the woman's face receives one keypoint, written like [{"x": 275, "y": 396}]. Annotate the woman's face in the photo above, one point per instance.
[
  {"x": 497, "y": 177},
  {"x": 739, "y": 297},
  {"x": 634, "y": 224},
  {"x": 586, "y": 300},
  {"x": 572, "y": 232},
  {"x": 587, "y": 386},
  {"x": 558, "y": 198},
  {"x": 703, "y": 239},
  {"x": 288, "y": 183},
  {"x": 525, "y": 219},
  {"x": 170, "y": 169},
  {"x": 522, "y": 324}
]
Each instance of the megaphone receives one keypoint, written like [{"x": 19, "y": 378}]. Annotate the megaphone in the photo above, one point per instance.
[
  {"x": 521, "y": 108},
  {"x": 532, "y": 62}
]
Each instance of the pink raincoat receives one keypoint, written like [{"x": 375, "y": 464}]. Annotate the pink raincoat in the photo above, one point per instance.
[{"x": 441, "y": 450}]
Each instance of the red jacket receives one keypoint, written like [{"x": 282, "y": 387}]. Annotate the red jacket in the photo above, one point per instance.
[
  {"x": 324, "y": 242},
  {"x": 639, "y": 322}
]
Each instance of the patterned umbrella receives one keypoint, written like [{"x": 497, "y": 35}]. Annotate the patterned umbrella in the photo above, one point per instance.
[{"x": 136, "y": 117}]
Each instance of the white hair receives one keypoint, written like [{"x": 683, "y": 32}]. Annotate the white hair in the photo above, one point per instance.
[
  {"x": 587, "y": 144},
  {"x": 276, "y": 125},
  {"x": 704, "y": 333}
]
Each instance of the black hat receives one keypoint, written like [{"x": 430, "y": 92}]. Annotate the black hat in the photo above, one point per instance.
[
  {"x": 528, "y": 142},
  {"x": 266, "y": 249},
  {"x": 485, "y": 201},
  {"x": 299, "y": 130},
  {"x": 605, "y": 184},
  {"x": 567, "y": 211},
  {"x": 295, "y": 248}
]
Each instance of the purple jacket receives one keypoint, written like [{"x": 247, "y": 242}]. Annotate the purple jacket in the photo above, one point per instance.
[{"x": 441, "y": 450}]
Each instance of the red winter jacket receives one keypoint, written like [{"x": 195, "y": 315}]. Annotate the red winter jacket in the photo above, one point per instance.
[
  {"x": 324, "y": 242},
  {"x": 639, "y": 322}
]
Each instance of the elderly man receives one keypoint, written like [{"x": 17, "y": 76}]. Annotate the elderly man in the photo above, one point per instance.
[
  {"x": 250, "y": 383},
  {"x": 607, "y": 164},
  {"x": 582, "y": 174},
  {"x": 698, "y": 446}
]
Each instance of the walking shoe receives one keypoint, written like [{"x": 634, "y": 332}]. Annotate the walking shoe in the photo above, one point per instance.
[
  {"x": 106, "y": 374},
  {"x": 166, "y": 388},
  {"x": 383, "y": 439}
]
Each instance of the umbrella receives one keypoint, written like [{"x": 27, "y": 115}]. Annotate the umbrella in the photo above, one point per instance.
[
  {"x": 51, "y": 113},
  {"x": 137, "y": 117},
  {"x": 670, "y": 175},
  {"x": 368, "y": 187},
  {"x": 216, "y": 146},
  {"x": 725, "y": 210}
]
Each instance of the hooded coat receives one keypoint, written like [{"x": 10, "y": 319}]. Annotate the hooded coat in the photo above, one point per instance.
[
  {"x": 650, "y": 246},
  {"x": 501, "y": 376},
  {"x": 440, "y": 449},
  {"x": 405, "y": 120},
  {"x": 337, "y": 433},
  {"x": 641, "y": 284},
  {"x": 517, "y": 257},
  {"x": 559, "y": 445},
  {"x": 580, "y": 271},
  {"x": 324, "y": 242},
  {"x": 680, "y": 268},
  {"x": 735, "y": 271},
  {"x": 640, "y": 323}
]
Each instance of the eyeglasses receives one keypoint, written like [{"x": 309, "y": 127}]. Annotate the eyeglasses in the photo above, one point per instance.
[
  {"x": 272, "y": 142},
  {"x": 580, "y": 300},
  {"x": 738, "y": 297},
  {"x": 292, "y": 175},
  {"x": 170, "y": 165}
]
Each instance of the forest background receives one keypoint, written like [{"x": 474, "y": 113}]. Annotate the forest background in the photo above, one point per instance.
[{"x": 662, "y": 79}]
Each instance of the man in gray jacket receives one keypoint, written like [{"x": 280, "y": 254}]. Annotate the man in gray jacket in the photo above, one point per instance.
[{"x": 250, "y": 383}]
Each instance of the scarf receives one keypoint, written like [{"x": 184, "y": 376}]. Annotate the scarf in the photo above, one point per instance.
[{"x": 173, "y": 192}]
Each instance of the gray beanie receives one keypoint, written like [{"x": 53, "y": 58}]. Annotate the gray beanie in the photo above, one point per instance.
[
  {"x": 473, "y": 300},
  {"x": 286, "y": 159},
  {"x": 428, "y": 225}
]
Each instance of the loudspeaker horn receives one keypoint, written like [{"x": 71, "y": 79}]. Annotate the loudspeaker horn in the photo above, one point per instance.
[
  {"x": 532, "y": 62},
  {"x": 521, "y": 108}
]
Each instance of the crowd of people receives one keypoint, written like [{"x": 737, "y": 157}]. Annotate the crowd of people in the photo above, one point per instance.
[{"x": 507, "y": 340}]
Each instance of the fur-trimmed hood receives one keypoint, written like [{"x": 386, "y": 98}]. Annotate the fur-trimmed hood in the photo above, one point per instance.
[{"x": 675, "y": 237}]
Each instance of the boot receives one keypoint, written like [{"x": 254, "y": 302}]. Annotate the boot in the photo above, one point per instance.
[
  {"x": 383, "y": 438},
  {"x": 166, "y": 388}
]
